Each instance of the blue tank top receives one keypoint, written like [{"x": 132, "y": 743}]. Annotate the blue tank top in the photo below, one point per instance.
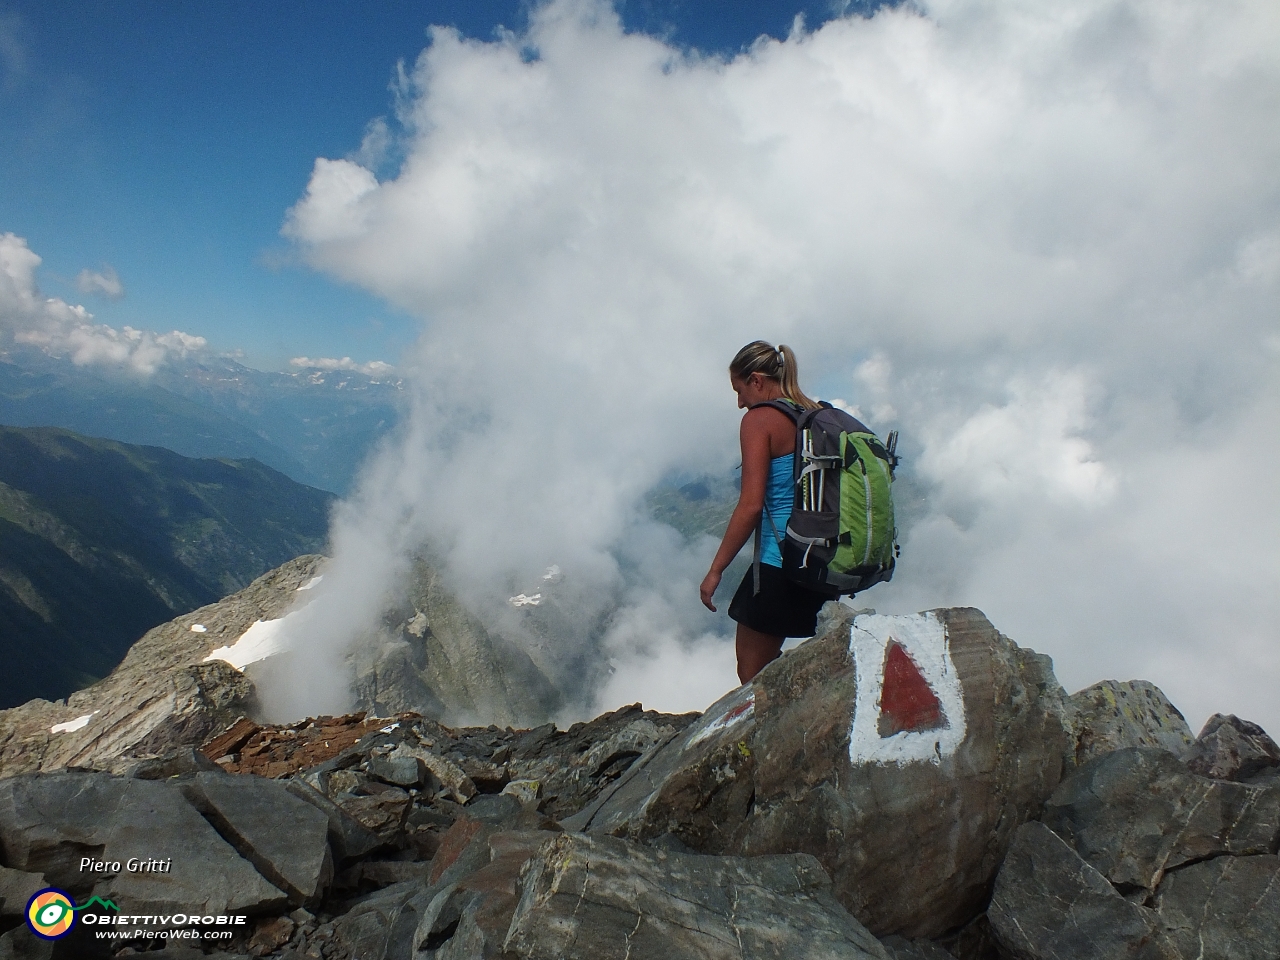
[{"x": 778, "y": 496}]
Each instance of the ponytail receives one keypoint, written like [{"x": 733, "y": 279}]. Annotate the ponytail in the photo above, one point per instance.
[{"x": 775, "y": 364}]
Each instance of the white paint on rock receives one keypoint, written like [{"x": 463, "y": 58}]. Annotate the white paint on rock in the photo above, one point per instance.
[
  {"x": 71, "y": 726},
  {"x": 924, "y": 637},
  {"x": 264, "y": 639},
  {"x": 736, "y": 714}
]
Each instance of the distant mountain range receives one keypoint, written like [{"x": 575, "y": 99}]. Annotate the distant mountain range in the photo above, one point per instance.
[
  {"x": 315, "y": 426},
  {"x": 100, "y": 541}
]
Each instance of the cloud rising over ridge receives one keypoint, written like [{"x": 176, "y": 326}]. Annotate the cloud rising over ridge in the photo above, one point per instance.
[{"x": 1043, "y": 242}]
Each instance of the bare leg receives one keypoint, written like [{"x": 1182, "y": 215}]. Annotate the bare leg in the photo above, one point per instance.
[{"x": 755, "y": 651}]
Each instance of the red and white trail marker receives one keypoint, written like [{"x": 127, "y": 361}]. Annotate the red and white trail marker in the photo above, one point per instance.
[{"x": 909, "y": 707}]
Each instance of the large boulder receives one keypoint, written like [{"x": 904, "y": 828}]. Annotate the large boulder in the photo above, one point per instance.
[
  {"x": 1112, "y": 715},
  {"x": 1138, "y": 857},
  {"x": 1049, "y": 904},
  {"x": 1136, "y": 813},
  {"x": 170, "y": 859},
  {"x": 282, "y": 835},
  {"x": 16, "y": 890},
  {"x": 1227, "y": 907},
  {"x": 902, "y": 752},
  {"x": 1229, "y": 748},
  {"x": 600, "y": 898}
]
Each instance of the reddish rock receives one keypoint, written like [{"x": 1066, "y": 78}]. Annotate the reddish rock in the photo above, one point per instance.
[
  {"x": 383, "y": 813},
  {"x": 452, "y": 844},
  {"x": 270, "y": 935},
  {"x": 231, "y": 740}
]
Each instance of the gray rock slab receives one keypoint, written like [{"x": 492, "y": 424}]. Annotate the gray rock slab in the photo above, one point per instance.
[
  {"x": 21, "y": 944},
  {"x": 400, "y": 771},
  {"x": 1137, "y": 812},
  {"x": 903, "y": 949},
  {"x": 381, "y": 926},
  {"x": 1115, "y": 714},
  {"x": 348, "y": 838},
  {"x": 1049, "y": 904},
  {"x": 900, "y": 948},
  {"x": 468, "y": 914},
  {"x": 1227, "y": 908},
  {"x": 206, "y": 874},
  {"x": 49, "y": 822},
  {"x": 181, "y": 762},
  {"x": 16, "y": 890},
  {"x": 602, "y": 898},
  {"x": 284, "y": 837},
  {"x": 902, "y": 754},
  {"x": 1229, "y": 748}
]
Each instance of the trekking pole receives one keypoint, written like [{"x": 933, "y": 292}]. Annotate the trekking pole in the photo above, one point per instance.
[{"x": 808, "y": 477}]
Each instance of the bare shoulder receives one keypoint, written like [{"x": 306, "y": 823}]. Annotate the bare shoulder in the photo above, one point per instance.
[{"x": 761, "y": 423}]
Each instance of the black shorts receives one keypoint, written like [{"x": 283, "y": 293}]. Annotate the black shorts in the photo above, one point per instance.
[{"x": 780, "y": 609}]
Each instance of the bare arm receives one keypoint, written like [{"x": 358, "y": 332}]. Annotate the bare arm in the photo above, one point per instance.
[{"x": 754, "y": 439}]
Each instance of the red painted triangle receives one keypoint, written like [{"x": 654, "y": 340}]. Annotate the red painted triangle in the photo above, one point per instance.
[{"x": 907, "y": 702}]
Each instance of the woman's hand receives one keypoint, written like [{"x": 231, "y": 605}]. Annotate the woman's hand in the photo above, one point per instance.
[{"x": 708, "y": 589}]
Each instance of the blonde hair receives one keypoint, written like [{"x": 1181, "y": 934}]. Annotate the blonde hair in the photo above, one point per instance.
[{"x": 774, "y": 363}]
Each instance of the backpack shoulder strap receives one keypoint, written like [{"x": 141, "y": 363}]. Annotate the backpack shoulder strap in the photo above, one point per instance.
[{"x": 791, "y": 409}]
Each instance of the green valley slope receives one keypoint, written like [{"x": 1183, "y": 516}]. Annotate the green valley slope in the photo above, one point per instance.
[{"x": 100, "y": 541}]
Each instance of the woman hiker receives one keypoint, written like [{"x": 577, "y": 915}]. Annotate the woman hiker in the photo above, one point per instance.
[{"x": 781, "y": 609}]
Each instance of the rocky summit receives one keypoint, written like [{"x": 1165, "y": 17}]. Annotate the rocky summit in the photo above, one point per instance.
[{"x": 898, "y": 788}]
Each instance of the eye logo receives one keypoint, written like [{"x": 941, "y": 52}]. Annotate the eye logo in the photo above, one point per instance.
[{"x": 51, "y": 914}]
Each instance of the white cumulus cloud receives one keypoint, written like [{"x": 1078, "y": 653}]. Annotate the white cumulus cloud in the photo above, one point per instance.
[
  {"x": 1037, "y": 239},
  {"x": 62, "y": 329},
  {"x": 371, "y": 369},
  {"x": 104, "y": 282}
]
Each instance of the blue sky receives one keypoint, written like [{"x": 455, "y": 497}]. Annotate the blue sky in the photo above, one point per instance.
[{"x": 167, "y": 141}]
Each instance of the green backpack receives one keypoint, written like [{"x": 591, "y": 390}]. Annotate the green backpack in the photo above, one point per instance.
[{"x": 841, "y": 536}]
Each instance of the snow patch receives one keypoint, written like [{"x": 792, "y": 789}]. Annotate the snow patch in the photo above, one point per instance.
[
  {"x": 311, "y": 583},
  {"x": 521, "y": 600},
  {"x": 71, "y": 726},
  {"x": 264, "y": 639},
  {"x": 924, "y": 638},
  {"x": 199, "y": 628}
]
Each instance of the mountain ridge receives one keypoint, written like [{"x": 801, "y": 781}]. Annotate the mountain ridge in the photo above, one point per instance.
[{"x": 101, "y": 540}]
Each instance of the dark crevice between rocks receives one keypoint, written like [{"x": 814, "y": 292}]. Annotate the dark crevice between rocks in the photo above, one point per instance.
[
  {"x": 438, "y": 938},
  {"x": 1135, "y": 893},
  {"x": 1216, "y": 855}
]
